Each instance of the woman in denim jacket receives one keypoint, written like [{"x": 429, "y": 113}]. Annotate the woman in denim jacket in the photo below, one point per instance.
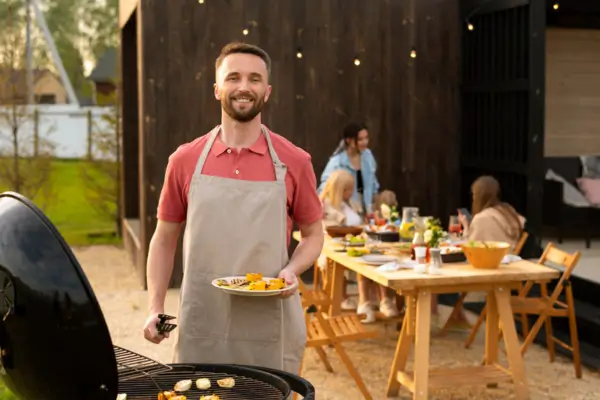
[{"x": 354, "y": 156}]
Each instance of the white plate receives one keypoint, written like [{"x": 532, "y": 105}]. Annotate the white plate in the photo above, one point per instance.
[
  {"x": 344, "y": 242},
  {"x": 247, "y": 292},
  {"x": 378, "y": 259}
]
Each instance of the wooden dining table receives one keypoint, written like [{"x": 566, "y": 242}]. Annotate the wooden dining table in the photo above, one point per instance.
[{"x": 418, "y": 288}]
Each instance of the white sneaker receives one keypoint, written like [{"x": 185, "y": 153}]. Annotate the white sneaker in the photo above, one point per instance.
[
  {"x": 367, "y": 310},
  {"x": 349, "y": 304},
  {"x": 388, "y": 308}
]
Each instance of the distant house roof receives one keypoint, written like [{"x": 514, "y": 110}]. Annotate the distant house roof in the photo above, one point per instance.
[
  {"x": 13, "y": 83},
  {"x": 106, "y": 68}
]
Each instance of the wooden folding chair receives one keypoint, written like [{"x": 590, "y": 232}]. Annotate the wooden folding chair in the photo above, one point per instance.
[
  {"x": 461, "y": 300},
  {"x": 323, "y": 331},
  {"x": 547, "y": 307}
]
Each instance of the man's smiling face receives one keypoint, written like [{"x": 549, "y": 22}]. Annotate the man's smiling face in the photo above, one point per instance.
[{"x": 242, "y": 86}]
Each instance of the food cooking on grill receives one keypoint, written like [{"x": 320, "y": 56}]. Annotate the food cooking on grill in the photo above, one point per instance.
[
  {"x": 184, "y": 385},
  {"x": 210, "y": 397},
  {"x": 226, "y": 382},
  {"x": 253, "y": 283},
  {"x": 203, "y": 383},
  {"x": 170, "y": 395}
]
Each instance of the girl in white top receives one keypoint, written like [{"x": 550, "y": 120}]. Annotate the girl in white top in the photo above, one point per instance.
[{"x": 338, "y": 209}]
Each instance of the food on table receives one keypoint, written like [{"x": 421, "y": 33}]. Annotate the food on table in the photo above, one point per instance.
[
  {"x": 210, "y": 397},
  {"x": 356, "y": 252},
  {"x": 253, "y": 277},
  {"x": 182, "y": 386},
  {"x": 203, "y": 383},
  {"x": 226, "y": 382},
  {"x": 122, "y": 396},
  {"x": 355, "y": 239},
  {"x": 450, "y": 250},
  {"x": 487, "y": 245},
  {"x": 247, "y": 284}
]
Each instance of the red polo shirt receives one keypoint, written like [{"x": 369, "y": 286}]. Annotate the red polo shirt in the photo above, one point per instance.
[{"x": 252, "y": 164}]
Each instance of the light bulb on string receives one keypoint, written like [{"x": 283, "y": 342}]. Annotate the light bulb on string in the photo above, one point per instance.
[
  {"x": 245, "y": 32},
  {"x": 356, "y": 61},
  {"x": 555, "y": 6},
  {"x": 470, "y": 26},
  {"x": 413, "y": 53},
  {"x": 299, "y": 52},
  {"x": 200, "y": 1}
]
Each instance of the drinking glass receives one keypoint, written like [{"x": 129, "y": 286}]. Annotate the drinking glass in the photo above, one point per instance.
[{"x": 454, "y": 226}]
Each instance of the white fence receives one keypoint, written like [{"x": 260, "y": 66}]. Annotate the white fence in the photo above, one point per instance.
[{"x": 67, "y": 127}]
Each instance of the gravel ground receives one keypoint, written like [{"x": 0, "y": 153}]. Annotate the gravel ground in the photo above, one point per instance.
[{"x": 124, "y": 306}]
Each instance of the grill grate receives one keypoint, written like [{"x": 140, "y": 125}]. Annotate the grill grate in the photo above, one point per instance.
[
  {"x": 245, "y": 388},
  {"x": 131, "y": 365}
]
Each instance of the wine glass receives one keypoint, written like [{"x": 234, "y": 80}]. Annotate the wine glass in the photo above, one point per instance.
[{"x": 454, "y": 226}]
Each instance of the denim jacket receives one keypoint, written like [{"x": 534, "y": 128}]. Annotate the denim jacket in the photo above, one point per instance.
[{"x": 368, "y": 169}]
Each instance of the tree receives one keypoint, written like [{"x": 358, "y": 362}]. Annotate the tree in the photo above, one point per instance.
[{"x": 25, "y": 159}]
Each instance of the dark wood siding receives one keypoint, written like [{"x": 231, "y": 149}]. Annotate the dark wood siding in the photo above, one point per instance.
[
  {"x": 411, "y": 105},
  {"x": 503, "y": 103}
]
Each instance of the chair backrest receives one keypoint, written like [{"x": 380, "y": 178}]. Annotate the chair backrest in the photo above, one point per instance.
[
  {"x": 520, "y": 243},
  {"x": 561, "y": 258}
]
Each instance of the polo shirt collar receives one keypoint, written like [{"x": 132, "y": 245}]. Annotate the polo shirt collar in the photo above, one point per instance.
[{"x": 258, "y": 147}]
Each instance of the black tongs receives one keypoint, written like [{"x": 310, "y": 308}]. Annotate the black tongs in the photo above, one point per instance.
[{"x": 163, "y": 326}]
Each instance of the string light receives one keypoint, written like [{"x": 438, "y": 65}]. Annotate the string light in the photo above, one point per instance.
[
  {"x": 555, "y": 6},
  {"x": 470, "y": 26},
  {"x": 356, "y": 61},
  {"x": 245, "y": 32},
  {"x": 201, "y": 1},
  {"x": 299, "y": 52},
  {"x": 413, "y": 53}
]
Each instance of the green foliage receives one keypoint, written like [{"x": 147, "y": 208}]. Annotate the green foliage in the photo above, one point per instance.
[
  {"x": 101, "y": 174},
  {"x": 434, "y": 233}
]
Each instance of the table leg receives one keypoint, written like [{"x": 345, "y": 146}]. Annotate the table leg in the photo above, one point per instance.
[
  {"x": 423, "y": 333},
  {"x": 337, "y": 289},
  {"x": 405, "y": 341},
  {"x": 511, "y": 342}
]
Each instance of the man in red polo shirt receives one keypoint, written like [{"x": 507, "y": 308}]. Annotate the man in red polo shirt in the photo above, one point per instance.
[{"x": 238, "y": 189}]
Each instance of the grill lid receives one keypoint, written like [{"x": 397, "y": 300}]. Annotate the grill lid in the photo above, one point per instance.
[{"x": 54, "y": 341}]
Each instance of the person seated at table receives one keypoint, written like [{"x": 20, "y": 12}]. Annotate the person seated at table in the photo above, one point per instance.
[
  {"x": 339, "y": 209},
  {"x": 387, "y": 198},
  {"x": 493, "y": 220}
]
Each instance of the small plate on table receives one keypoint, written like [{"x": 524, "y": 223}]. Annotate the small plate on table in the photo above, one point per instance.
[
  {"x": 378, "y": 259},
  {"x": 347, "y": 243},
  {"x": 240, "y": 286}
]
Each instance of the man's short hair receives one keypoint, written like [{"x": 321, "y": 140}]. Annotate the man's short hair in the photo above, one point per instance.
[{"x": 243, "y": 48}]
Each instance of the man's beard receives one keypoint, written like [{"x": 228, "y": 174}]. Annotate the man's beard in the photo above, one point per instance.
[{"x": 246, "y": 115}]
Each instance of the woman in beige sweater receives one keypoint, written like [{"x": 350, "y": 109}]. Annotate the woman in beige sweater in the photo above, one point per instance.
[{"x": 493, "y": 220}]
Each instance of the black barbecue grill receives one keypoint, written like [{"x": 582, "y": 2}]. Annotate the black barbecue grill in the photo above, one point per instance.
[{"x": 54, "y": 341}]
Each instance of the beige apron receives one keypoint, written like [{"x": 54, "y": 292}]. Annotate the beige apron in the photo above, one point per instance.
[{"x": 234, "y": 227}]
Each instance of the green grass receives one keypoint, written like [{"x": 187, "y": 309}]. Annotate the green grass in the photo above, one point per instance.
[{"x": 69, "y": 209}]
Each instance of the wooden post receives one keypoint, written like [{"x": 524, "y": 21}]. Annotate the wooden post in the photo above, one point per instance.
[
  {"x": 36, "y": 132},
  {"x": 90, "y": 133}
]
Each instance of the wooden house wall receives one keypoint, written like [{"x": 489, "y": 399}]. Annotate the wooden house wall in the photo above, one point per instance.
[{"x": 411, "y": 105}]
